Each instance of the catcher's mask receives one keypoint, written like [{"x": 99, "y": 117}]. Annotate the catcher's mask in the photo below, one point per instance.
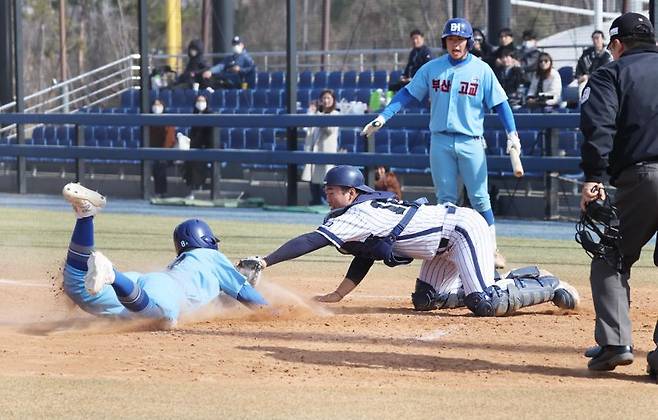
[
  {"x": 194, "y": 233},
  {"x": 597, "y": 232}
]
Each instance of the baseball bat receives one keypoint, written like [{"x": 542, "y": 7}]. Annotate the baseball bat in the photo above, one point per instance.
[{"x": 516, "y": 163}]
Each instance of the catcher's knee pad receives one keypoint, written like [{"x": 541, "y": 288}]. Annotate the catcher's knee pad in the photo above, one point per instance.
[{"x": 423, "y": 297}]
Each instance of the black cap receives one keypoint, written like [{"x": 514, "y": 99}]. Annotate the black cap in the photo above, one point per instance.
[
  {"x": 632, "y": 25},
  {"x": 236, "y": 40}
]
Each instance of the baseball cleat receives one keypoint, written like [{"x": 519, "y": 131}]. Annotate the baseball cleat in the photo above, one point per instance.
[
  {"x": 499, "y": 260},
  {"x": 566, "y": 296},
  {"x": 99, "y": 273},
  {"x": 85, "y": 202},
  {"x": 610, "y": 357}
]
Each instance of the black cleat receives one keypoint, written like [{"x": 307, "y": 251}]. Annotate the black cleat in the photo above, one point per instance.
[{"x": 609, "y": 357}]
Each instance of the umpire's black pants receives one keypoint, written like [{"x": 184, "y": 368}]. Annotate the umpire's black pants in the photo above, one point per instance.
[{"x": 637, "y": 201}]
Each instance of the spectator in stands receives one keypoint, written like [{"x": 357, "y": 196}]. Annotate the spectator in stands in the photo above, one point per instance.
[
  {"x": 506, "y": 43},
  {"x": 511, "y": 78},
  {"x": 161, "y": 136},
  {"x": 592, "y": 58},
  {"x": 235, "y": 71},
  {"x": 545, "y": 84},
  {"x": 529, "y": 53},
  {"x": 481, "y": 48},
  {"x": 320, "y": 139},
  {"x": 196, "y": 65},
  {"x": 385, "y": 180},
  {"x": 195, "y": 172},
  {"x": 419, "y": 55}
]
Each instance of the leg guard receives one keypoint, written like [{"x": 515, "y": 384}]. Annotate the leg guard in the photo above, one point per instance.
[
  {"x": 425, "y": 298},
  {"x": 520, "y": 293}
]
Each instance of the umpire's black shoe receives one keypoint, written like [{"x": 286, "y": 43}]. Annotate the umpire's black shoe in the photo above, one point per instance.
[
  {"x": 609, "y": 357},
  {"x": 595, "y": 350},
  {"x": 652, "y": 364}
]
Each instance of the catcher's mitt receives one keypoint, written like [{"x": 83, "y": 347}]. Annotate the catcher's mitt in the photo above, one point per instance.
[{"x": 251, "y": 268}]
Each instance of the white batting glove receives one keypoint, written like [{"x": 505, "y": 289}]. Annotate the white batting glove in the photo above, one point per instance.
[
  {"x": 372, "y": 127},
  {"x": 513, "y": 142}
]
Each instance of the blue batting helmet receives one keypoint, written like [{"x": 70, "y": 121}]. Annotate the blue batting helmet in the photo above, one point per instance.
[
  {"x": 458, "y": 27},
  {"x": 347, "y": 176},
  {"x": 194, "y": 233}
]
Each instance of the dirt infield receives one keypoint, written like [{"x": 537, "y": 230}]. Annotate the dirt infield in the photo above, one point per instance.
[{"x": 369, "y": 356}]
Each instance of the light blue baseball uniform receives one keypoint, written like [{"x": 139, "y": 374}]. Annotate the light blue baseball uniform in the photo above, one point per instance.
[
  {"x": 458, "y": 93},
  {"x": 191, "y": 281}
]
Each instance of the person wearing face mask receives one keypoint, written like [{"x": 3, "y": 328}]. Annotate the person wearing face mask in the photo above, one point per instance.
[
  {"x": 545, "y": 84},
  {"x": 196, "y": 64},
  {"x": 321, "y": 140},
  {"x": 195, "y": 173},
  {"x": 161, "y": 136},
  {"x": 529, "y": 52},
  {"x": 234, "y": 71}
]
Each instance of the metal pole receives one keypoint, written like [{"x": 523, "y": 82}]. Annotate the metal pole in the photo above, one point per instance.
[
  {"x": 222, "y": 25},
  {"x": 291, "y": 92},
  {"x": 598, "y": 14},
  {"x": 458, "y": 8},
  {"x": 326, "y": 28},
  {"x": 499, "y": 12},
  {"x": 206, "y": 12},
  {"x": 551, "y": 145},
  {"x": 6, "y": 56},
  {"x": 144, "y": 91},
  {"x": 216, "y": 166},
  {"x": 18, "y": 78},
  {"x": 63, "y": 65}
]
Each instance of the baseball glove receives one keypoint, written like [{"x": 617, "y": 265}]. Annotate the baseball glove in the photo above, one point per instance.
[{"x": 251, "y": 268}]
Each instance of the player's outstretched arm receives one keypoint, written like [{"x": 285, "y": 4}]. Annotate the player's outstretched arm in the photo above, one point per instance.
[
  {"x": 297, "y": 247},
  {"x": 399, "y": 101},
  {"x": 250, "y": 297},
  {"x": 357, "y": 271}
]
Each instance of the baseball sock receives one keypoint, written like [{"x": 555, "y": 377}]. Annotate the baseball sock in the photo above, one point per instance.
[
  {"x": 82, "y": 243},
  {"x": 131, "y": 295}
]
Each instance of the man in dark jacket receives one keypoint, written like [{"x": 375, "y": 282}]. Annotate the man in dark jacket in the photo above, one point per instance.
[
  {"x": 618, "y": 121},
  {"x": 196, "y": 64},
  {"x": 419, "y": 55},
  {"x": 593, "y": 58}
]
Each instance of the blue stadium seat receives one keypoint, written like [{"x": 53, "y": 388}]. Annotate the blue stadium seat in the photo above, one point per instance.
[
  {"x": 335, "y": 80},
  {"x": 418, "y": 142},
  {"x": 491, "y": 136},
  {"x": 304, "y": 97},
  {"x": 113, "y": 133},
  {"x": 260, "y": 98},
  {"x": 178, "y": 98},
  {"x": 100, "y": 133},
  {"x": 250, "y": 79},
  {"x": 305, "y": 80},
  {"x": 380, "y": 80},
  {"x": 382, "y": 141},
  {"x": 236, "y": 138},
  {"x": 38, "y": 135},
  {"x": 224, "y": 135},
  {"x": 365, "y": 79},
  {"x": 347, "y": 140},
  {"x": 246, "y": 98},
  {"x": 252, "y": 138},
  {"x": 347, "y": 94},
  {"x": 566, "y": 74},
  {"x": 321, "y": 79},
  {"x": 130, "y": 98},
  {"x": 217, "y": 99},
  {"x": 263, "y": 80},
  {"x": 165, "y": 96},
  {"x": 275, "y": 97},
  {"x": 136, "y": 136},
  {"x": 231, "y": 99},
  {"x": 363, "y": 95},
  {"x": 277, "y": 80},
  {"x": 65, "y": 135},
  {"x": 530, "y": 142},
  {"x": 315, "y": 93},
  {"x": 349, "y": 80},
  {"x": 394, "y": 76},
  {"x": 267, "y": 139},
  {"x": 398, "y": 141},
  {"x": 125, "y": 133}
]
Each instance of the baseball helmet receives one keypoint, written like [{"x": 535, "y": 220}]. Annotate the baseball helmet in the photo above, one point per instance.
[
  {"x": 194, "y": 233},
  {"x": 458, "y": 27},
  {"x": 347, "y": 176}
]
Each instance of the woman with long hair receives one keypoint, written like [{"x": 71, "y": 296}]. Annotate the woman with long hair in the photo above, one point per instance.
[{"x": 545, "y": 84}]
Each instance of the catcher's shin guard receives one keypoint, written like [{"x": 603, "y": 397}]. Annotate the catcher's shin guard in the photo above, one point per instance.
[
  {"x": 425, "y": 298},
  {"x": 521, "y": 292}
]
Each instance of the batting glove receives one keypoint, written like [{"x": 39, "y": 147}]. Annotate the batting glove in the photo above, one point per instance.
[
  {"x": 372, "y": 127},
  {"x": 183, "y": 142},
  {"x": 513, "y": 142}
]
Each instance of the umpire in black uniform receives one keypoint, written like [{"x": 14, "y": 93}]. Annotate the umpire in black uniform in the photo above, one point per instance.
[{"x": 619, "y": 120}]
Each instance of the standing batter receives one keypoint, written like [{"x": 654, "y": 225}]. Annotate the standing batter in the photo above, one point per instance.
[
  {"x": 460, "y": 87},
  {"x": 453, "y": 242}
]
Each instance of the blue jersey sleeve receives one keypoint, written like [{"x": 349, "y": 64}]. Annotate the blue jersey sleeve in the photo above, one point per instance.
[
  {"x": 494, "y": 93},
  {"x": 506, "y": 116},
  {"x": 418, "y": 86}
]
